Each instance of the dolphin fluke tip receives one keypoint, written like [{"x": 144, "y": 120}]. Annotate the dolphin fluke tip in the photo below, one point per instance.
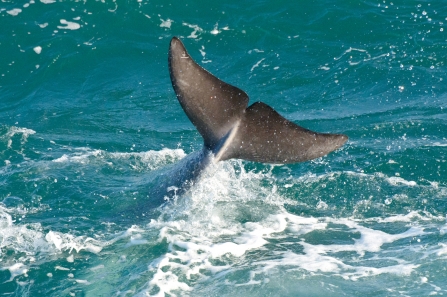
[
  {"x": 175, "y": 41},
  {"x": 341, "y": 139}
]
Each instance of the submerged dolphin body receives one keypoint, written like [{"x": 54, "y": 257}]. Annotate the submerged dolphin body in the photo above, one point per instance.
[{"x": 230, "y": 129}]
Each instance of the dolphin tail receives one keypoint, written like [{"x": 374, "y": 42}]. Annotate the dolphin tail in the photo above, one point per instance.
[{"x": 231, "y": 130}]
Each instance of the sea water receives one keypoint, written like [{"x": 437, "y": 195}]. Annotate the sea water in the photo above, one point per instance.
[{"x": 90, "y": 127}]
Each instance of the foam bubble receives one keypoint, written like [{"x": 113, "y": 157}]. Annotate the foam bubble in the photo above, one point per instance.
[
  {"x": 68, "y": 242},
  {"x": 394, "y": 180},
  {"x": 24, "y": 131},
  {"x": 196, "y": 29},
  {"x": 136, "y": 240},
  {"x": 17, "y": 269},
  {"x": 166, "y": 23},
  {"x": 256, "y": 65},
  {"x": 37, "y": 49},
  {"x": 215, "y": 31},
  {"x": 439, "y": 144},
  {"x": 82, "y": 281},
  {"x": 14, "y": 11},
  {"x": 61, "y": 268},
  {"x": 68, "y": 25},
  {"x": 70, "y": 259},
  {"x": 62, "y": 159}
]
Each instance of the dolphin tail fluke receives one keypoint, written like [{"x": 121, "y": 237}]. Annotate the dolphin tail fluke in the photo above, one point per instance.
[
  {"x": 263, "y": 135},
  {"x": 230, "y": 129},
  {"x": 212, "y": 105}
]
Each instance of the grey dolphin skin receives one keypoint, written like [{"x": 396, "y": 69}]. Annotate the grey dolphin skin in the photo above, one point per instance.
[{"x": 230, "y": 129}]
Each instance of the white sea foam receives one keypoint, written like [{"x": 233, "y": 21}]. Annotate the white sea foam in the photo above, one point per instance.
[
  {"x": 82, "y": 157},
  {"x": 255, "y": 50},
  {"x": 61, "y": 268},
  {"x": 351, "y": 49},
  {"x": 203, "y": 53},
  {"x": 154, "y": 158},
  {"x": 136, "y": 239},
  {"x": 68, "y": 242},
  {"x": 204, "y": 227},
  {"x": 216, "y": 30},
  {"x": 24, "y": 131},
  {"x": 394, "y": 180},
  {"x": 35, "y": 245},
  {"x": 140, "y": 160},
  {"x": 192, "y": 253},
  {"x": 14, "y": 11},
  {"x": 17, "y": 130},
  {"x": 70, "y": 259},
  {"x": 62, "y": 159},
  {"x": 166, "y": 23},
  {"x": 37, "y": 50},
  {"x": 82, "y": 281},
  {"x": 32, "y": 240},
  {"x": 443, "y": 249},
  {"x": 443, "y": 229},
  {"x": 438, "y": 144},
  {"x": 235, "y": 218},
  {"x": 196, "y": 29},
  {"x": 68, "y": 25},
  {"x": 17, "y": 269},
  {"x": 407, "y": 218},
  {"x": 256, "y": 65}
]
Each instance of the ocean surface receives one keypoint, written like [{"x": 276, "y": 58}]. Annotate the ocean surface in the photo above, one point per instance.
[{"x": 90, "y": 130}]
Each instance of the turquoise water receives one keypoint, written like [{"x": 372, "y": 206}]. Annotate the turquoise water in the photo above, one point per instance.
[{"x": 90, "y": 128}]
